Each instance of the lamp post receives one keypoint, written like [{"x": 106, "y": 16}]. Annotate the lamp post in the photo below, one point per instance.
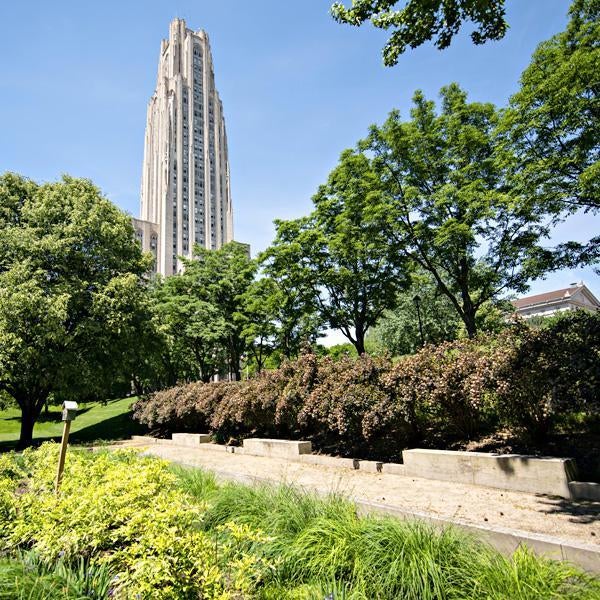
[{"x": 417, "y": 301}]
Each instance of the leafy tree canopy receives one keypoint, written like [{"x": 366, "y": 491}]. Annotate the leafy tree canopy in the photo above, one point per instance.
[
  {"x": 415, "y": 22},
  {"x": 450, "y": 206},
  {"x": 70, "y": 293},
  {"x": 553, "y": 125},
  {"x": 222, "y": 278},
  {"x": 340, "y": 255}
]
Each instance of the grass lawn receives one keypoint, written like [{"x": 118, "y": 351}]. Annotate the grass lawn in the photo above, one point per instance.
[{"x": 95, "y": 421}]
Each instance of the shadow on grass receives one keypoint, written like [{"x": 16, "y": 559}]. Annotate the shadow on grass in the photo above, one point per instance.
[
  {"x": 53, "y": 416},
  {"x": 119, "y": 427}
]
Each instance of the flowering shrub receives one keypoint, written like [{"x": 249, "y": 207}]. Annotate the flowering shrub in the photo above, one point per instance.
[
  {"x": 374, "y": 407},
  {"x": 339, "y": 406}
]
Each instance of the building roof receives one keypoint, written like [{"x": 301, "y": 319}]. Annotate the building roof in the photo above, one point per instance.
[{"x": 554, "y": 296}]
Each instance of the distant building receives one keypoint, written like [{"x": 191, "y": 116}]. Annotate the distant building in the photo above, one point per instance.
[
  {"x": 577, "y": 295},
  {"x": 185, "y": 195}
]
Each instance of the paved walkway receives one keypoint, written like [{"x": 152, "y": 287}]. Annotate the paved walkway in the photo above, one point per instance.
[{"x": 575, "y": 521}]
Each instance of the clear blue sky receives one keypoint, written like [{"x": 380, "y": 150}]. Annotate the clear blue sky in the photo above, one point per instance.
[{"x": 297, "y": 89}]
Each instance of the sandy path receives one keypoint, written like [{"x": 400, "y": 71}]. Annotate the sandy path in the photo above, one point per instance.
[{"x": 557, "y": 517}]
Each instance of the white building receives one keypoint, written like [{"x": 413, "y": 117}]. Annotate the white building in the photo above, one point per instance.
[
  {"x": 577, "y": 295},
  {"x": 185, "y": 195}
]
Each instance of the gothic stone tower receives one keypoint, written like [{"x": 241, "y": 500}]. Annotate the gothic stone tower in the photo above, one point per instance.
[{"x": 185, "y": 195}]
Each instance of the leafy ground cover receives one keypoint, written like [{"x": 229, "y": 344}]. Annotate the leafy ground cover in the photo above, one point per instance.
[
  {"x": 95, "y": 421},
  {"x": 131, "y": 527}
]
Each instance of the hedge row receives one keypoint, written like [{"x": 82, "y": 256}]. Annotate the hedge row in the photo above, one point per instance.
[{"x": 522, "y": 378}]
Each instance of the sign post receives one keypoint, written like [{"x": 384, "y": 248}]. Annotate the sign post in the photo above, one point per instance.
[{"x": 68, "y": 414}]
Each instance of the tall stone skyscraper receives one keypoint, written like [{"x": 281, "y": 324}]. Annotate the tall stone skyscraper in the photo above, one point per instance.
[{"x": 186, "y": 195}]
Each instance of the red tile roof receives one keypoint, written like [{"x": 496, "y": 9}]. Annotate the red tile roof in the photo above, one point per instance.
[{"x": 546, "y": 297}]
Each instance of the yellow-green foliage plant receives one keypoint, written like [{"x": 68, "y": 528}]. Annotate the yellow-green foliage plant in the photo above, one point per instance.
[{"x": 124, "y": 511}]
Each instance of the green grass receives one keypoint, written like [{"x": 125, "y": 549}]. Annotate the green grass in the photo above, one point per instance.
[
  {"x": 27, "y": 577},
  {"x": 95, "y": 421},
  {"x": 322, "y": 549}
]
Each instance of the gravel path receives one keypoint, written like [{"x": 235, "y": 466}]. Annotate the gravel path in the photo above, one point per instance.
[{"x": 569, "y": 520}]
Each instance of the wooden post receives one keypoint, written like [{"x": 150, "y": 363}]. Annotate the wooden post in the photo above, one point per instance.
[{"x": 63, "y": 453}]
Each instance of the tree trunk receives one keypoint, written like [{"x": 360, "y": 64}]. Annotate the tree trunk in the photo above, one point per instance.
[
  {"x": 28, "y": 418},
  {"x": 359, "y": 344},
  {"x": 469, "y": 321}
]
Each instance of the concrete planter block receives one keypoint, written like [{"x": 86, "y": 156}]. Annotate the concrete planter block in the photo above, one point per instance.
[
  {"x": 329, "y": 461},
  {"x": 585, "y": 490},
  {"x": 276, "y": 448},
  {"x": 532, "y": 474},
  {"x": 370, "y": 466},
  {"x": 190, "y": 439},
  {"x": 394, "y": 469}
]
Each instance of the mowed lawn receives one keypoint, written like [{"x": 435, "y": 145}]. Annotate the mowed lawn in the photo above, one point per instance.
[{"x": 95, "y": 421}]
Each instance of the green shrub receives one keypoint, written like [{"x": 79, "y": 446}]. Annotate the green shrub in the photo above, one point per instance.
[
  {"x": 552, "y": 371},
  {"x": 455, "y": 391},
  {"x": 133, "y": 527},
  {"x": 319, "y": 546},
  {"x": 118, "y": 510}
]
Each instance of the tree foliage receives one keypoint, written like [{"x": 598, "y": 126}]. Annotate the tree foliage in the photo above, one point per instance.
[
  {"x": 449, "y": 203},
  {"x": 553, "y": 125},
  {"x": 423, "y": 315},
  {"x": 418, "y": 21},
  {"x": 340, "y": 255},
  {"x": 202, "y": 312},
  {"x": 70, "y": 293}
]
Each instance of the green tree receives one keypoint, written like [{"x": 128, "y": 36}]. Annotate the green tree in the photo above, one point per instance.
[
  {"x": 553, "y": 125},
  {"x": 423, "y": 315},
  {"x": 70, "y": 288},
  {"x": 450, "y": 205},
  {"x": 222, "y": 278},
  {"x": 193, "y": 330},
  {"x": 418, "y": 21},
  {"x": 259, "y": 312},
  {"x": 339, "y": 256}
]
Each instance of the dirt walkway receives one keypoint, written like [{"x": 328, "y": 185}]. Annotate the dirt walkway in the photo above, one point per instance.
[{"x": 569, "y": 520}]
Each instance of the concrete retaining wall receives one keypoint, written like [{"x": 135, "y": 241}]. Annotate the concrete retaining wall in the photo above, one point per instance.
[
  {"x": 276, "y": 448},
  {"x": 531, "y": 474},
  {"x": 190, "y": 439},
  {"x": 550, "y": 476},
  {"x": 585, "y": 490},
  {"x": 329, "y": 461}
]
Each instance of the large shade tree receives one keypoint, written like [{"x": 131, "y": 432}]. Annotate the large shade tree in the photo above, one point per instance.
[
  {"x": 70, "y": 293},
  {"x": 423, "y": 315},
  {"x": 295, "y": 318},
  {"x": 553, "y": 125},
  {"x": 221, "y": 278},
  {"x": 192, "y": 328},
  {"x": 339, "y": 255},
  {"x": 450, "y": 204}
]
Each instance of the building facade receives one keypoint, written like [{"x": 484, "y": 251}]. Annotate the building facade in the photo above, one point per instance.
[
  {"x": 185, "y": 194},
  {"x": 576, "y": 296}
]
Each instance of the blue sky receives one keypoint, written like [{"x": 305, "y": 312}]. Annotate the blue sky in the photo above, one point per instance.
[{"x": 297, "y": 89}]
